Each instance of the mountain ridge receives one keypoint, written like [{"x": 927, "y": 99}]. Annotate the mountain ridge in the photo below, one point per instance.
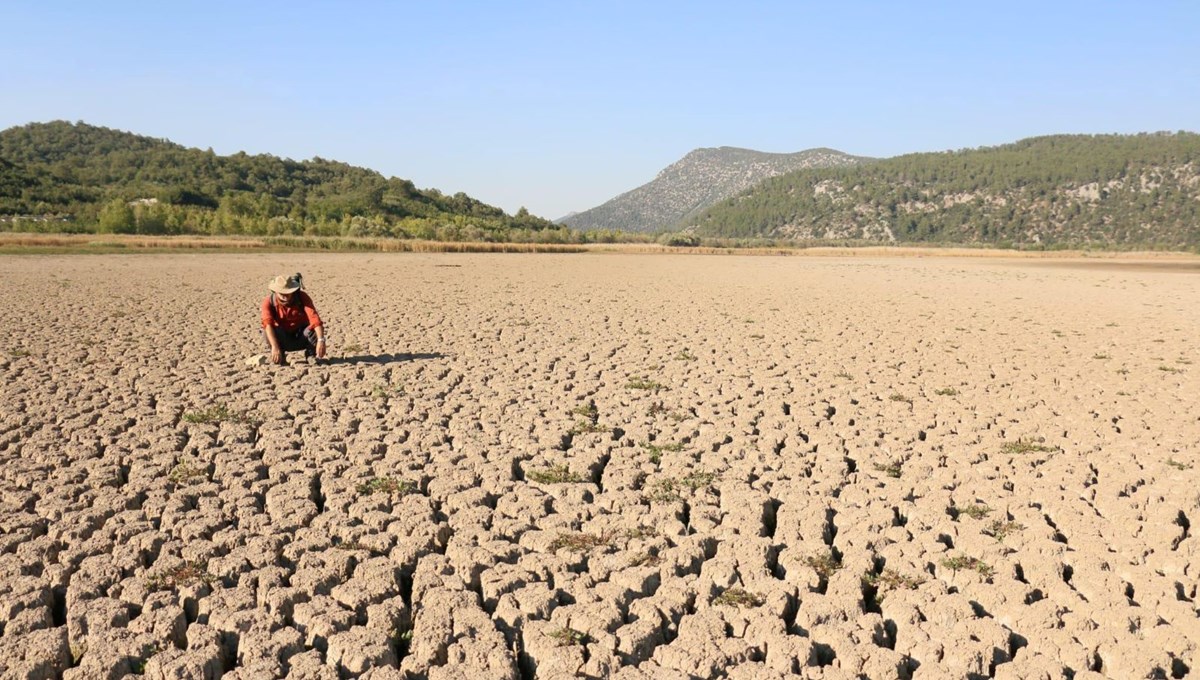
[
  {"x": 698, "y": 180},
  {"x": 1051, "y": 190}
]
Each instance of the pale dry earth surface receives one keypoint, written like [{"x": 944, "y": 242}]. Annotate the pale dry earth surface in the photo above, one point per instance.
[{"x": 626, "y": 466}]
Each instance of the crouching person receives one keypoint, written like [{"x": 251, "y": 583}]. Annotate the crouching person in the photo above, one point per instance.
[{"x": 290, "y": 321}]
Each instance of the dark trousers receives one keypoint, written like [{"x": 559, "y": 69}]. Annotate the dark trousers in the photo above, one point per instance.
[{"x": 294, "y": 341}]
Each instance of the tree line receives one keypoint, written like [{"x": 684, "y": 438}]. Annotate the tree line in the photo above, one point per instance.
[
  {"x": 1063, "y": 190},
  {"x": 64, "y": 176}
]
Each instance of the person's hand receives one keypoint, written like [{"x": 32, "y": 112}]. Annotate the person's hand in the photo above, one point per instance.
[
  {"x": 276, "y": 356},
  {"x": 320, "y": 349}
]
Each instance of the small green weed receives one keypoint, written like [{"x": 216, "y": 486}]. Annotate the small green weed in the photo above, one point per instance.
[
  {"x": 185, "y": 471},
  {"x": 19, "y": 352},
  {"x": 402, "y": 641},
  {"x": 844, "y": 374},
  {"x": 685, "y": 355},
  {"x": 738, "y": 597},
  {"x": 641, "y": 532},
  {"x": 555, "y": 474},
  {"x": 568, "y": 637},
  {"x": 656, "y": 450},
  {"x": 972, "y": 511},
  {"x": 1026, "y": 446},
  {"x": 963, "y": 562},
  {"x": 901, "y": 397},
  {"x": 587, "y": 410},
  {"x": 579, "y": 542},
  {"x": 1000, "y": 529},
  {"x": 824, "y": 565},
  {"x": 1177, "y": 465},
  {"x": 643, "y": 383},
  {"x": 587, "y": 427},
  {"x": 698, "y": 480},
  {"x": 383, "y": 391},
  {"x": 892, "y": 469},
  {"x": 1169, "y": 369},
  {"x": 669, "y": 489},
  {"x": 946, "y": 392},
  {"x": 387, "y": 485},
  {"x": 184, "y": 575},
  {"x": 352, "y": 348},
  {"x": 890, "y": 580}
]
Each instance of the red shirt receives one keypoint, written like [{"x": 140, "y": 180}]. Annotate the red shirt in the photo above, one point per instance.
[{"x": 291, "y": 317}]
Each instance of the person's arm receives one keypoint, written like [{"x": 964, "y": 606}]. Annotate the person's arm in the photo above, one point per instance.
[
  {"x": 314, "y": 320},
  {"x": 276, "y": 352},
  {"x": 320, "y": 331},
  {"x": 268, "y": 325}
]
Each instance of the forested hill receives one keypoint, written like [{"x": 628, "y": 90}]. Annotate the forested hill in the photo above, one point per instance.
[
  {"x": 1063, "y": 190},
  {"x": 695, "y": 182},
  {"x": 61, "y": 176}
]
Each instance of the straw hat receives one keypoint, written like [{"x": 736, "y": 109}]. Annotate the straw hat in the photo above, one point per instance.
[{"x": 284, "y": 284}]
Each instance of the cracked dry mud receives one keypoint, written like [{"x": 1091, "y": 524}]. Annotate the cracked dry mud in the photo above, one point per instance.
[{"x": 602, "y": 466}]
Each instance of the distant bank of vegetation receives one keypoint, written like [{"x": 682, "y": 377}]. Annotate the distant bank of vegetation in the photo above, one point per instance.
[
  {"x": 1064, "y": 191},
  {"x": 1118, "y": 192},
  {"x": 64, "y": 177}
]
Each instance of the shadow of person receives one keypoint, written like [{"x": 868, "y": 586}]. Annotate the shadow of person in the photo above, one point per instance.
[{"x": 384, "y": 358}]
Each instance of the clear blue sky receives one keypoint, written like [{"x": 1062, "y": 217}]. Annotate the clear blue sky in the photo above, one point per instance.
[{"x": 561, "y": 105}]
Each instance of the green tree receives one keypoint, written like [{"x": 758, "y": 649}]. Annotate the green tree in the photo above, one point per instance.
[{"x": 116, "y": 217}]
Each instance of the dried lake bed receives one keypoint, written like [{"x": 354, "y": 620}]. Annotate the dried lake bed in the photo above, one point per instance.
[{"x": 600, "y": 465}]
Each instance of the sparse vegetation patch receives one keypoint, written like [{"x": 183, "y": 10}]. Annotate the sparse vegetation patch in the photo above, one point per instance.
[
  {"x": 973, "y": 511},
  {"x": 644, "y": 383},
  {"x": 1001, "y": 529},
  {"x": 184, "y": 575},
  {"x": 566, "y": 637},
  {"x": 1026, "y": 446},
  {"x": 555, "y": 474},
  {"x": 962, "y": 562},
  {"x": 387, "y": 485},
  {"x": 824, "y": 565},
  {"x": 656, "y": 450},
  {"x": 669, "y": 489},
  {"x": 186, "y": 471},
  {"x": 738, "y": 597},
  {"x": 579, "y": 542},
  {"x": 588, "y": 427},
  {"x": 888, "y": 581},
  {"x": 891, "y": 469}
]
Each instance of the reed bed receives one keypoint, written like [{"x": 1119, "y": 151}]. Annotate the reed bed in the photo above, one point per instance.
[{"x": 20, "y": 243}]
